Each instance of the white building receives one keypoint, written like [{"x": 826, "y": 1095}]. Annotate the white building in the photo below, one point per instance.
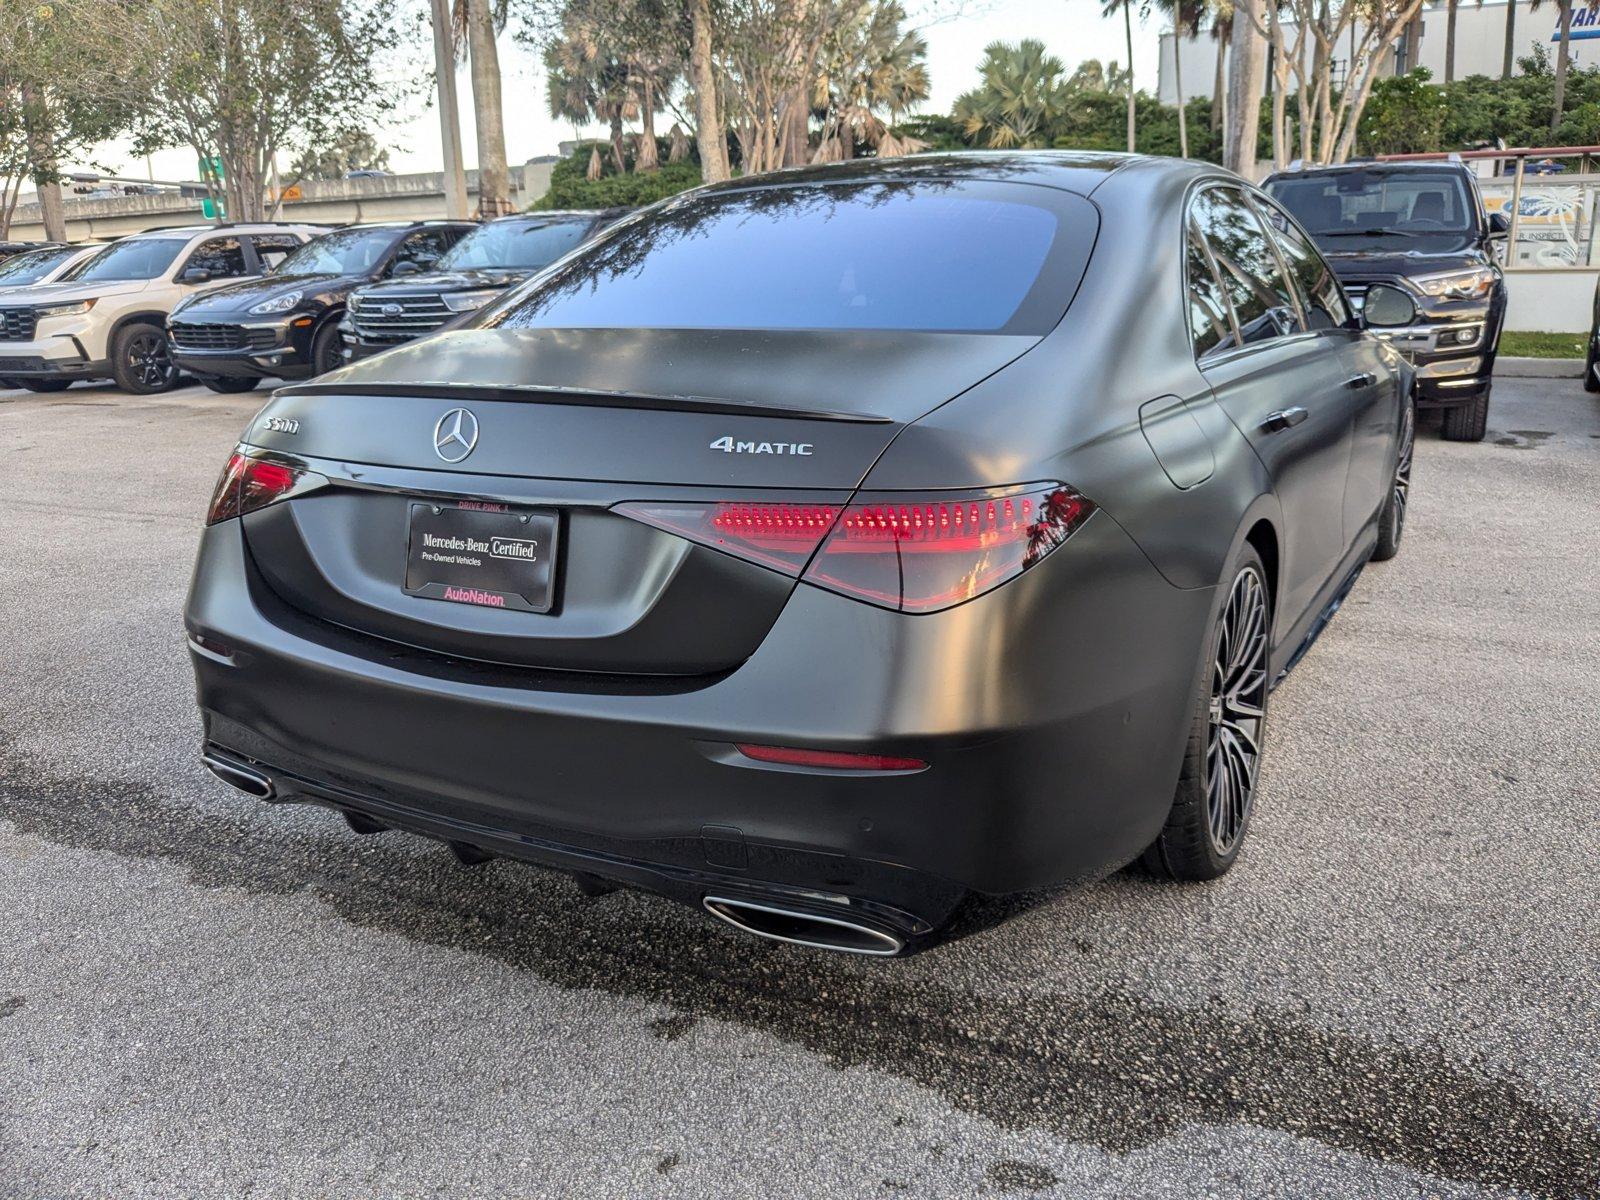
[{"x": 1480, "y": 44}]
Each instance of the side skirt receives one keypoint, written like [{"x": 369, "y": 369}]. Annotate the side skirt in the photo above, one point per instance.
[{"x": 1322, "y": 620}]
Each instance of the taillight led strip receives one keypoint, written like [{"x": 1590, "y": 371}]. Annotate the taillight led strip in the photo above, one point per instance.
[{"x": 912, "y": 552}]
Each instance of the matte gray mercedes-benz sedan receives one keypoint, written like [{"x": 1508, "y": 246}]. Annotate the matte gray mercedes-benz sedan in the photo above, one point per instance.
[{"x": 827, "y": 548}]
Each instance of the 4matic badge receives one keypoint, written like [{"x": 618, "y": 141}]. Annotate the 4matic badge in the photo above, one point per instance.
[{"x": 728, "y": 446}]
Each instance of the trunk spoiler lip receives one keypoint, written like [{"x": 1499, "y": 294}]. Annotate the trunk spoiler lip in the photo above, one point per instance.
[{"x": 583, "y": 398}]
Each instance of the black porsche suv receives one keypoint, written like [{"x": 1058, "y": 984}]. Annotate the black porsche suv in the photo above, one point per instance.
[
  {"x": 286, "y": 323},
  {"x": 497, "y": 255},
  {"x": 1419, "y": 226}
]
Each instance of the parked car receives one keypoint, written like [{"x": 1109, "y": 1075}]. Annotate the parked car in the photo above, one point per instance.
[
  {"x": 286, "y": 324},
  {"x": 107, "y": 317},
  {"x": 759, "y": 556},
  {"x": 492, "y": 258},
  {"x": 1591, "y": 365},
  {"x": 10, "y": 249},
  {"x": 32, "y": 268},
  {"x": 1419, "y": 227}
]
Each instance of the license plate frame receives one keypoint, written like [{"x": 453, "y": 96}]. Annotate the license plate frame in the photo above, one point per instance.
[{"x": 481, "y": 554}]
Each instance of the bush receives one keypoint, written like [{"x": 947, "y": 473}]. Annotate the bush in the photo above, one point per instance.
[
  {"x": 1099, "y": 121},
  {"x": 570, "y": 187},
  {"x": 1405, "y": 114}
]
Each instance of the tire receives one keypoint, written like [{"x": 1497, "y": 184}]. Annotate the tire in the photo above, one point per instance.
[
  {"x": 1216, "y": 785},
  {"x": 45, "y": 385},
  {"x": 228, "y": 385},
  {"x": 140, "y": 362},
  {"x": 1392, "y": 520},
  {"x": 1470, "y": 421},
  {"x": 327, "y": 350},
  {"x": 1590, "y": 382}
]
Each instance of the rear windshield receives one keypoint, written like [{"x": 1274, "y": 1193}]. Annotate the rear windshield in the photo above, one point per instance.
[
  {"x": 33, "y": 266},
  {"x": 136, "y": 258},
  {"x": 1377, "y": 206},
  {"x": 909, "y": 255},
  {"x": 515, "y": 245}
]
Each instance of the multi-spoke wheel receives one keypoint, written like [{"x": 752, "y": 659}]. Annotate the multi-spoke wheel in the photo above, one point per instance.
[
  {"x": 1236, "y": 712},
  {"x": 140, "y": 361},
  {"x": 1392, "y": 520},
  {"x": 1222, "y": 761}
]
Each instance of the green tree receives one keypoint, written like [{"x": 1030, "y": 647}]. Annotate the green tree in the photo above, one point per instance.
[
  {"x": 1405, "y": 115},
  {"x": 55, "y": 59},
  {"x": 354, "y": 150},
  {"x": 243, "y": 80},
  {"x": 1019, "y": 98}
]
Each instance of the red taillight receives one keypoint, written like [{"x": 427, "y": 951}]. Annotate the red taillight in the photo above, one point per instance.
[
  {"x": 923, "y": 553},
  {"x": 836, "y": 760},
  {"x": 913, "y": 552},
  {"x": 251, "y": 483},
  {"x": 779, "y": 534}
]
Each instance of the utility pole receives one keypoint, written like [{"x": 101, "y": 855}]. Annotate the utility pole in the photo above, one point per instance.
[{"x": 444, "y": 60}]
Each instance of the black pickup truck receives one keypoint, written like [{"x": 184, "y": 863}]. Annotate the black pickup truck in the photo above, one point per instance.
[{"x": 1419, "y": 226}]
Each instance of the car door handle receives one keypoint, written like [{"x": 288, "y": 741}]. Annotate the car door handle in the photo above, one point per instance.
[
  {"x": 1284, "y": 418},
  {"x": 1364, "y": 380}
]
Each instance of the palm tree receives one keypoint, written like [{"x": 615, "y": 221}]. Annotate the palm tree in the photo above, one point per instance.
[
  {"x": 1110, "y": 7},
  {"x": 479, "y": 20},
  {"x": 1020, "y": 95},
  {"x": 1186, "y": 17},
  {"x": 1511, "y": 38},
  {"x": 589, "y": 84},
  {"x": 866, "y": 65},
  {"x": 1563, "y": 60}
]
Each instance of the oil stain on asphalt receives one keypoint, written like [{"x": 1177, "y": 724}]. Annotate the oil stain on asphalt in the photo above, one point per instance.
[{"x": 1115, "y": 1070}]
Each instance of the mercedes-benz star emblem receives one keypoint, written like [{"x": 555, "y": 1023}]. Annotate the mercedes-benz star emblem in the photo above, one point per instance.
[{"x": 455, "y": 435}]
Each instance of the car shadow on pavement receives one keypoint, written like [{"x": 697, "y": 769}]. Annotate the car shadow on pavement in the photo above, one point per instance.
[{"x": 1114, "y": 1070}]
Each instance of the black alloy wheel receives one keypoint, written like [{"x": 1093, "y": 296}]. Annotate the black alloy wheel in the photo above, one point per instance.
[
  {"x": 1237, "y": 712},
  {"x": 1215, "y": 795},
  {"x": 141, "y": 362},
  {"x": 1392, "y": 520}
]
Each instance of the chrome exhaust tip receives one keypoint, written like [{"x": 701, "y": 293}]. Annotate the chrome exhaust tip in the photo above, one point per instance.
[
  {"x": 246, "y": 779},
  {"x": 801, "y": 928}
]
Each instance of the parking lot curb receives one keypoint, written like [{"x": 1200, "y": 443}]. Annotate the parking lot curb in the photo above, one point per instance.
[{"x": 1539, "y": 368}]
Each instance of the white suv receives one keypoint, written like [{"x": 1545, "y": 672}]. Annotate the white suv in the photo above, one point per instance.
[{"x": 107, "y": 318}]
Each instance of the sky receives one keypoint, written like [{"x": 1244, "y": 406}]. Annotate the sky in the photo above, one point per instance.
[{"x": 1073, "y": 30}]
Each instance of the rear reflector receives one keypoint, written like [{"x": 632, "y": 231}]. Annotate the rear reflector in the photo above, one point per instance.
[
  {"x": 836, "y": 760},
  {"x": 251, "y": 483},
  {"x": 912, "y": 552}
]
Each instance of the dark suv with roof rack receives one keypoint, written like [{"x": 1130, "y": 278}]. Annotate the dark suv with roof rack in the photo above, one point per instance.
[
  {"x": 286, "y": 324},
  {"x": 495, "y": 256},
  {"x": 1421, "y": 227}
]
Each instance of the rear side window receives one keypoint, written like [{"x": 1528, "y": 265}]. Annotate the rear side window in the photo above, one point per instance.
[
  {"x": 424, "y": 247},
  {"x": 904, "y": 255},
  {"x": 1209, "y": 322},
  {"x": 1262, "y": 300},
  {"x": 273, "y": 248},
  {"x": 223, "y": 257},
  {"x": 1319, "y": 287}
]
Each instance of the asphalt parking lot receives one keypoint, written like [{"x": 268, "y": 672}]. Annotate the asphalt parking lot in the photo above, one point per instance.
[{"x": 1395, "y": 993}]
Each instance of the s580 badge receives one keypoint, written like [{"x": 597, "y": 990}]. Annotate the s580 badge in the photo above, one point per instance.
[{"x": 728, "y": 446}]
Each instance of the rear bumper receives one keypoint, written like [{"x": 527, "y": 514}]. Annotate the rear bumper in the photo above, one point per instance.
[{"x": 1052, "y": 713}]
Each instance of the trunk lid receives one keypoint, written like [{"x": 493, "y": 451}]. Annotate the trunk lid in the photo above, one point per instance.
[{"x": 570, "y": 423}]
